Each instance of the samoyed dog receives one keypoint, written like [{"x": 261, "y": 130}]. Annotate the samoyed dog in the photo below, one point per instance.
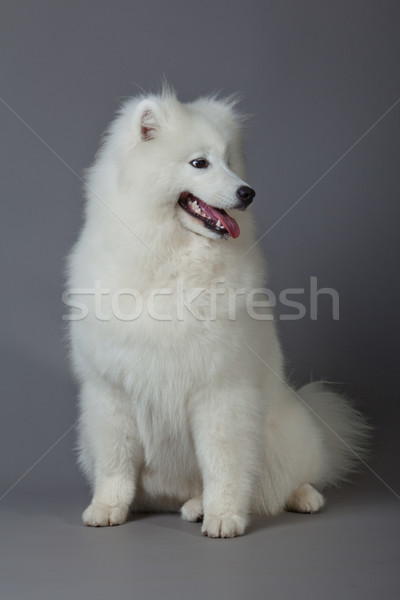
[{"x": 184, "y": 405}]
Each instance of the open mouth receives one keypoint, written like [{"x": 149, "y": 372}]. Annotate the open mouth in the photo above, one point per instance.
[{"x": 215, "y": 219}]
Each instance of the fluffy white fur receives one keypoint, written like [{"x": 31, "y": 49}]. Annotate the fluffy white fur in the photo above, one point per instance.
[{"x": 189, "y": 414}]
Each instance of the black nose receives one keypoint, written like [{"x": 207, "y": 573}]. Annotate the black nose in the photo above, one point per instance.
[{"x": 245, "y": 194}]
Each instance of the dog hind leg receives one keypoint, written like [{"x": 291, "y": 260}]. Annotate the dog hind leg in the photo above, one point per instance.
[{"x": 306, "y": 499}]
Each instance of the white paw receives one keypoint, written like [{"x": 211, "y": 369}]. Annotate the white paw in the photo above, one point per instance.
[
  {"x": 192, "y": 510},
  {"x": 223, "y": 526},
  {"x": 102, "y": 515},
  {"x": 306, "y": 499}
]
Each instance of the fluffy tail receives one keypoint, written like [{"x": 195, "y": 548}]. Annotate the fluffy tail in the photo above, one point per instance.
[{"x": 344, "y": 430}]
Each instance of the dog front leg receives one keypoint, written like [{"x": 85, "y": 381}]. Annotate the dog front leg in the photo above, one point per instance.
[
  {"x": 227, "y": 434},
  {"x": 110, "y": 452}
]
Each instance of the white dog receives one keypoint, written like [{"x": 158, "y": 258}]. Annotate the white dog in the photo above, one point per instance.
[{"x": 184, "y": 403}]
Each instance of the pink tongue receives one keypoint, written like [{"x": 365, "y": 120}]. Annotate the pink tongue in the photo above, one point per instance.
[{"x": 228, "y": 222}]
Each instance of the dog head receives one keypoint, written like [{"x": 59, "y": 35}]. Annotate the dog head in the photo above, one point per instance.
[{"x": 180, "y": 162}]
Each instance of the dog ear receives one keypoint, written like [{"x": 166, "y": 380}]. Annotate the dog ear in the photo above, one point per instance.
[{"x": 149, "y": 121}]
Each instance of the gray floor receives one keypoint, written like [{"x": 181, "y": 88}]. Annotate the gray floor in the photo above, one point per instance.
[{"x": 350, "y": 550}]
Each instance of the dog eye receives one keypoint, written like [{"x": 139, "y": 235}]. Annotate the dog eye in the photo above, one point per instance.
[{"x": 200, "y": 163}]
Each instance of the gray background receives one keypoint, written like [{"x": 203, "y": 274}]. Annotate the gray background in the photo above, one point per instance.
[{"x": 316, "y": 76}]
